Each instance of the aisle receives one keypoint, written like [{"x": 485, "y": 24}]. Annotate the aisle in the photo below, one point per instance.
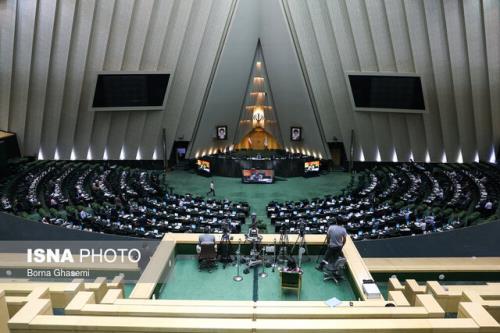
[{"x": 259, "y": 195}]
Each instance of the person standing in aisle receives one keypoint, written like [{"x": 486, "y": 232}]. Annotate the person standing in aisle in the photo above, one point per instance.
[{"x": 212, "y": 189}]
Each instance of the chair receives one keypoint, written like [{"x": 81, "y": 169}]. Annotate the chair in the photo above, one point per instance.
[
  {"x": 335, "y": 271},
  {"x": 291, "y": 280},
  {"x": 207, "y": 257}
]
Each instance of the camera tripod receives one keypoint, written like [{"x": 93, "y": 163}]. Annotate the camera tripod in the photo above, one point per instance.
[
  {"x": 322, "y": 251},
  {"x": 225, "y": 249},
  {"x": 254, "y": 239},
  {"x": 238, "y": 277},
  {"x": 300, "y": 242},
  {"x": 254, "y": 258},
  {"x": 283, "y": 245}
]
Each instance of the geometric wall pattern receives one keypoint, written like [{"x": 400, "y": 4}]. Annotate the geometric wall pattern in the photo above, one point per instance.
[
  {"x": 454, "y": 45},
  {"x": 50, "y": 51}
]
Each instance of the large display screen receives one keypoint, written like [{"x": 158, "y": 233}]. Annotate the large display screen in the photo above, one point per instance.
[
  {"x": 311, "y": 167},
  {"x": 130, "y": 91},
  {"x": 203, "y": 166},
  {"x": 386, "y": 92},
  {"x": 257, "y": 176}
]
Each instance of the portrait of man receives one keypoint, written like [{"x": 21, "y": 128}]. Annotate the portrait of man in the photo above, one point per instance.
[
  {"x": 221, "y": 132},
  {"x": 296, "y": 133}
]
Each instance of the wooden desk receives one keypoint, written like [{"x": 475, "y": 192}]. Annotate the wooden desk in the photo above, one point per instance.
[
  {"x": 431, "y": 265},
  {"x": 268, "y": 239},
  {"x": 461, "y": 325},
  {"x": 342, "y": 312},
  {"x": 165, "y": 311},
  {"x": 4, "y": 313},
  {"x": 479, "y": 314},
  {"x": 490, "y": 300},
  {"x": 259, "y": 304},
  {"x": 5, "y": 134},
  {"x": 357, "y": 267},
  {"x": 44, "y": 323},
  {"x": 179, "y": 303}
]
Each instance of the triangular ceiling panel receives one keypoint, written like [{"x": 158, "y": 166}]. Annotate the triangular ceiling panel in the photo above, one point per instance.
[
  {"x": 258, "y": 111},
  {"x": 258, "y": 22}
]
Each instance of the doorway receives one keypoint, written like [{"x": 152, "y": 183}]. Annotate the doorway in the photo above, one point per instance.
[
  {"x": 178, "y": 154},
  {"x": 339, "y": 157}
]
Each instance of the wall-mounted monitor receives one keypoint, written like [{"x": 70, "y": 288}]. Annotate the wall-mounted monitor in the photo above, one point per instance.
[
  {"x": 203, "y": 167},
  {"x": 256, "y": 176},
  {"x": 311, "y": 168},
  {"x": 221, "y": 132},
  {"x": 386, "y": 92},
  {"x": 130, "y": 91}
]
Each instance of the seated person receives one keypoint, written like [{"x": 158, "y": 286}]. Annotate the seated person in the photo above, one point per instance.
[
  {"x": 291, "y": 266},
  {"x": 205, "y": 238}
]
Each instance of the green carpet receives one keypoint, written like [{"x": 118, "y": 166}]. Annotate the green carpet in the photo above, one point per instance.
[
  {"x": 259, "y": 195},
  {"x": 383, "y": 286},
  {"x": 127, "y": 289},
  {"x": 186, "y": 282}
]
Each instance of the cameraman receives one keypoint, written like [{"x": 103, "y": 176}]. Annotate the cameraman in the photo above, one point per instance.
[{"x": 336, "y": 237}]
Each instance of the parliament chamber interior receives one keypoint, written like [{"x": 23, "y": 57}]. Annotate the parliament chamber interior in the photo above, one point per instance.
[{"x": 249, "y": 166}]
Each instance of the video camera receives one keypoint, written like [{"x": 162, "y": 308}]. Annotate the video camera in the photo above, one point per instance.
[
  {"x": 253, "y": 233},
  {"x": 226, "y": 231},
  {"x": 302, "y": 228}
]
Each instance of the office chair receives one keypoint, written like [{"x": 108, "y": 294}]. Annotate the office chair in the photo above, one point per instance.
[
  {"x": 207, "y": 259},
  {"x": 335, "y": 271}
]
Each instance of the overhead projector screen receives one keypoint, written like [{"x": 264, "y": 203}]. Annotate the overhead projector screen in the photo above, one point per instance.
[
  {"x": 386, "y": 92},
  {"x": 129, "y": 91}
]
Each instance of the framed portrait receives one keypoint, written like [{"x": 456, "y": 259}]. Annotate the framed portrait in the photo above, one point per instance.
[
  {"x": 296, "y": 133},
  {"x": 221, "y": 132}
]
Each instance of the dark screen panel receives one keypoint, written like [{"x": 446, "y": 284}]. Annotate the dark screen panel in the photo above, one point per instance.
[
  {"x": 130, "y": 90},
  {"x": 387, "y": 92}
]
